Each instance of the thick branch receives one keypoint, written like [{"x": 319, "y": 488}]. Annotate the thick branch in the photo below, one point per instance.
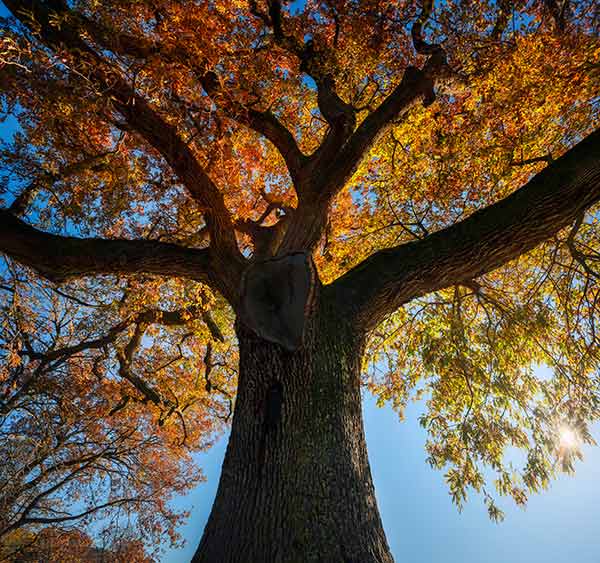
[
  {"x": 59, "y": 258},
  {"x": 420, "y": 45},
  {"x": 340, "y": 116},
  {"x": 136, "y": 110},
  {"x": 416, "y": 85},
  {"x": 167, "y": 141},
  {"x": 337, "y": 158},
  {"x": 307, "y": 224},
  {"x": 486, "y": 240},
  {"x": 264, "y": 122},
  {"x": 314, "y": 57}
]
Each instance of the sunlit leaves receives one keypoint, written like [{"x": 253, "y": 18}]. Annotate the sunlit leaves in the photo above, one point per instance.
[{"x": 81, "y": 439}]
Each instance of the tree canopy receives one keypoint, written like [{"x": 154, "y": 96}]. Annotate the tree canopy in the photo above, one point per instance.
[{"x": 439, "y": 163}]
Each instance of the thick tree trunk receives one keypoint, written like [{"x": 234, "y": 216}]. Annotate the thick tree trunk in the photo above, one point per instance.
[{"x": 296, "y": 484}]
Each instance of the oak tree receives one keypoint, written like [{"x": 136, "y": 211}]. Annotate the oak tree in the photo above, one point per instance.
[{"x": 328, "y": 194}]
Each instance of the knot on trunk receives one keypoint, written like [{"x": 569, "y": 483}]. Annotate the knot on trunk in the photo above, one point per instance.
[{"x": 277, "y": 297}]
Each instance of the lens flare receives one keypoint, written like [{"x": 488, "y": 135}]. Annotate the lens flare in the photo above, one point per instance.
[{"x": 568, "y": 438}]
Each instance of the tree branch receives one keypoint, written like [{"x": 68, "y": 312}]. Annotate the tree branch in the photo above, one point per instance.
[
  {"x": 24, "y": 521},
  {"x": 23, "y": 200},
  {"x": 313, "y": 57},
  {"x": 135, "y": 109},
  {"x": 263, "y": 122},
  {"x": 59, "y": 258},
  {"x": 125, "y": 357},
  {"x": 420, "y": 45},
  {"x": 486, "y": 240},
  {"x": 309, "y": 220},
  {"x": 149, "y": 316},
  {"x": 416, "y": 85},
  {"x": 505, "y": 8},
  {"x": 343, "y": 148},
  {"x": 559, "y": 12}
]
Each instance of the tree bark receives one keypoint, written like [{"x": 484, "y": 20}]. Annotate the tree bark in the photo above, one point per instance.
[{"x": 296, "y": 485}]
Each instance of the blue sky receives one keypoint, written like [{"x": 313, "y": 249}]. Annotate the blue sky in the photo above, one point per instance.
[{"x": 423, "y": 526}]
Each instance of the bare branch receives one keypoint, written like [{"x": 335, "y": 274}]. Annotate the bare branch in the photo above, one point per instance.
[
  {"x": 70, "y": 517},
  {"x": 577, "y": 255}
]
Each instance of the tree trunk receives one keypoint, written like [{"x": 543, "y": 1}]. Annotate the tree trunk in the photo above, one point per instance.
[{"x": 296, "y": 484}]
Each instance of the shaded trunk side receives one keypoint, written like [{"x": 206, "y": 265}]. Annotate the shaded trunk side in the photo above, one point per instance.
[{"x": 296, "y": 484}]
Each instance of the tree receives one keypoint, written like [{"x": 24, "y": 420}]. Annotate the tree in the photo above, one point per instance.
[
  {"x": 399, "y": 195},
  {"x": 77, "y": 450}
]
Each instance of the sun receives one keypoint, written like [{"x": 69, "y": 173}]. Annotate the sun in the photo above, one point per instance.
[{"x": 568, "y": 438}]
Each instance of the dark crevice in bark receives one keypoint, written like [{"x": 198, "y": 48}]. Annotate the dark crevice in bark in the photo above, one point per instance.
[{"x": 276, "y": 296}]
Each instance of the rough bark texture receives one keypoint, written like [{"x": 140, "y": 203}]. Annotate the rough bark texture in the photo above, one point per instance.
[
  {"x": 59, "y": 258},
  {"x": 296, "y": 484}
]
